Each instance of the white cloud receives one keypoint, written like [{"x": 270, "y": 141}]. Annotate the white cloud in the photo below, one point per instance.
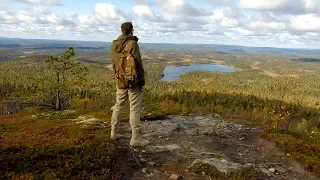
[
  {"x": 221, "y": 2},
  {"x": 307, "y": 22},
  {"x": 54, "y": 19},
  {"x": 277, "y": 23},
  {"x": 144, "y": 12},
  {"x": 39, "y": 15},
  {"x": 105, "y": 12},
  {"x": 282, "y": 6},
  {"x": 227, "y": 17},
  {"x": 70, "y": 15},
  {"x": 87, "y": 20},
  {"x": 31, "y": 15},
  {"x": 44, "y": 2},
  {"x": 229, "y": 22},
  {"x": 244, "y": 32},
  {"x": 173, "y": 16},
  {"x": 313, "y": 34},
  {"x": 262, "y": 4},
  {"x": 261, "y": 25},
  {"x": 217, "y": 15},
  {"x": 144, "y": 2},
  {"x": 7, "y": 17},
  {"x": 232, "y": 12},
  {"x": 182, "y": 7},
  {"x": 312, "y": 5},
  {"x": 296, "y": 42}
]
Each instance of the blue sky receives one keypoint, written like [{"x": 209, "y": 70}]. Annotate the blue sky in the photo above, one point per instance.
[{"x": 273, "y": 23}]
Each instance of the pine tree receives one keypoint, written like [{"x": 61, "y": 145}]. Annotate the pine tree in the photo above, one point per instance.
[{"x": 67, "y": 72}]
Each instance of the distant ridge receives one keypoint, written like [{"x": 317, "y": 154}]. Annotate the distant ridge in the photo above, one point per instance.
[
  {"x": 51, "y": 43},
  {"x": 48, "y": 44}
]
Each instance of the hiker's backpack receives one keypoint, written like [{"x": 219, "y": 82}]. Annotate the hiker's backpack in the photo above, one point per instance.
[{"x": 126, "y": 73}]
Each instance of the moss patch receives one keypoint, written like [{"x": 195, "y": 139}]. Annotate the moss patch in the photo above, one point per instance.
[{"x": 53, "y": 149}]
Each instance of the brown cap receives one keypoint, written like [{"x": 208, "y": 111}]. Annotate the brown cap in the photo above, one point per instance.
[{"x": 126, "y": 28}]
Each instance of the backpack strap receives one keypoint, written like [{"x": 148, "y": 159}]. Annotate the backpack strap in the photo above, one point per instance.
[{"x": 126, "y": 46}]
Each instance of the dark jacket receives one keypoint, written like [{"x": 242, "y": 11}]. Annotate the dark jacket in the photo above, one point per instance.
[{"x": 132, "y": 47}]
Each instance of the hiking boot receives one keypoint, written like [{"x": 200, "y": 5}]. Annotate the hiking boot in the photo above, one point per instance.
[
  {"x": 114, "y": 135},
  {"x": 136, "y": 139}
]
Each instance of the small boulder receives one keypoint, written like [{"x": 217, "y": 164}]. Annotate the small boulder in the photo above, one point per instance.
[
  {"x": 273, "y": 170},
  {"x": 264, "y": 170},
  {"x": 175, "y": 177},
  {"x": 142, "y": 160},
  {"x": 144, "y": 170}
]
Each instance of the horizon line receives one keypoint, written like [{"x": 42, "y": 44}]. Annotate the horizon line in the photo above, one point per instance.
[{"x": 247, "y": 46}]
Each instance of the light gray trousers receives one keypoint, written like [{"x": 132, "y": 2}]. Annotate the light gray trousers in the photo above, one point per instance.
[{"x": 134, "y": 95}]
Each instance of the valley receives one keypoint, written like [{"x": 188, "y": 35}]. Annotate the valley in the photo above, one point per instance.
[{"x": 270, "y": 91}]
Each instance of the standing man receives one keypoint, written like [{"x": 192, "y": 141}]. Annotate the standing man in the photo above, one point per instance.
[{"x": 129, "y": 43}]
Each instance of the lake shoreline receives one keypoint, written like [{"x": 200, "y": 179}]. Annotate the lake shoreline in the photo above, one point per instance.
[{"x": 172, "y": 73}]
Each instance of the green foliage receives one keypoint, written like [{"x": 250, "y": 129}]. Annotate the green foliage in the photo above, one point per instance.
[
  {"x": 299, "y": 146},
  {"x": 276, "y": 115},
  {"x": 67, "y": 73},
  {"x": 170, "y": 106}
]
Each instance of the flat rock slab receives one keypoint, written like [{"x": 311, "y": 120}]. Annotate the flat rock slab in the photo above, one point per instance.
[
  {"x": 190, "y": 126},
  {"x": 164, "y": 148},
  {"x": 198, "y": 147}
]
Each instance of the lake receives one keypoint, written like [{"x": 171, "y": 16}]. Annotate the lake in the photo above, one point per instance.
[{"x": 172, "y": 73}]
